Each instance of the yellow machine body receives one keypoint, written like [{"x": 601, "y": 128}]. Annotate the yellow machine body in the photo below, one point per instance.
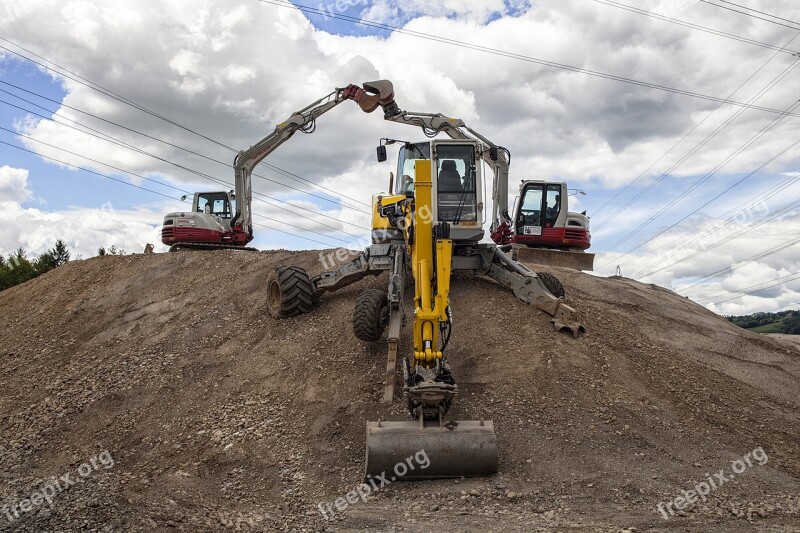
[{"x": 431, "y": 264}]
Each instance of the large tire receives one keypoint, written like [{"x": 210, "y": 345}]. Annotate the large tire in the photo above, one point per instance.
[
  {"x": 371, "y": 315},
  {"x": 289, "y": 292},
  {"x": 553, "y": 284}
]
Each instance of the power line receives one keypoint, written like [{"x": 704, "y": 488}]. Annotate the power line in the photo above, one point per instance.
[
  {"x": 163, "y": 184},
  {"x": 702, "y": 180},
  {"x": 521, "y": 57},
  {"x": 751, "y": 293},
  {"x": 757, "y": 11},
  {"x": 780, "y": 77},
  {"x": 111, "y": 94},
  {"x": 734, "y": 214},
  {"x": 95, "y": 161},
  {"x": 796, "y": 25},
  {"x": 157, "y": 139},
  {"x": 762, "y": 255},
  {"x": 695, "y": 186},
  {"x": 782, "y": 308},
  {"x": 692, "y": 25},
  {"x": 786, "y": 209},
  {"x": 117, "y": 142},
  {"x": 772, "y": 283},
  {"x": 698, "y": 146},
  {"x": 156, "y": 192}
]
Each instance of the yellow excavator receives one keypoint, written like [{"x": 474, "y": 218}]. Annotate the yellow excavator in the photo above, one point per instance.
[{"x": 428, "y": 225}]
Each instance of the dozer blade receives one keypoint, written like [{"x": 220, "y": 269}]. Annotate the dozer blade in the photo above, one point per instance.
[
  {"x": 456, "y": 449},
  {"x": 556, "y": 258}
]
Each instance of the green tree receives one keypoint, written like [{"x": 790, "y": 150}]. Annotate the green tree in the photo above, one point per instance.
[
  {"x": 55, "y": 257},
  {"x": 111, "y": 250},
  {"x": 19, "y": 269}
]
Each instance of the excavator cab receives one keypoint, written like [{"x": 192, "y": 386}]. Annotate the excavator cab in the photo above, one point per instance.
[
  {"x": 546, "y": 232},
  {"x": 540, "y": 212},
  {"x": 458, "y": 195},
  {"x": 219, "y": 204}
]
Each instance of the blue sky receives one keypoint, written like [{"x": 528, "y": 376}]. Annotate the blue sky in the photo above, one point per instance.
[{"x": 55, "y": 187}]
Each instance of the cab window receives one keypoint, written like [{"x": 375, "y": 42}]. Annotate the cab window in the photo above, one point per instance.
[
  {"x": 409, "y": 155},
  {"x": 530, "y": 213},
  {"x": 553, "y": 207},
  {"x": 456, "y": 183},
  {"x": 214, "y": 204}
]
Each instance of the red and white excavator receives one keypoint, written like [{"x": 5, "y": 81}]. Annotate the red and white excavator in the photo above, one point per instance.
[
  {"x": 544, "y": 231},
  {"x": 224, "y": 219}
]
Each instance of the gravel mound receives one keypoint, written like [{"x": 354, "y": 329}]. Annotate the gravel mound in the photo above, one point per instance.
[{"x": 219, "y": 417}]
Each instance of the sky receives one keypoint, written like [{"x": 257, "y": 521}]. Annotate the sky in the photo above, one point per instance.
[{"x": 110, "y": 111}]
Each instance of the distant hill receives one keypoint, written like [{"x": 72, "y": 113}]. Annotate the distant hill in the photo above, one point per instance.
[{"x": 784, "y": 322}]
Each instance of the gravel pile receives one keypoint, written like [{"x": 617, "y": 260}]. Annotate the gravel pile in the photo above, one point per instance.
[{"x": 218, "y": 417}]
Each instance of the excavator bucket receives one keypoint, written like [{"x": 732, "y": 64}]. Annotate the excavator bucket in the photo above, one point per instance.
[
  {"x": 556, "y": 258},
  {"x": 409, "y": 451}
]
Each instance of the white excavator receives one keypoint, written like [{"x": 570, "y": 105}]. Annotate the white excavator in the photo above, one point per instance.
[
  {"x": 224, "y": 219},
  {"x": 427, "y": 225}
]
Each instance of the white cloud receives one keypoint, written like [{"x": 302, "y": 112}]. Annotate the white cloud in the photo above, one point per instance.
[
  {"x": 186, "y": 62},
  {"x": 83, "y": 229},
  {"x": 14, "y": 185}
]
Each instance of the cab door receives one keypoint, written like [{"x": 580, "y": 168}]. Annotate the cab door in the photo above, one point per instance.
[{"x": 529, "y": 216}]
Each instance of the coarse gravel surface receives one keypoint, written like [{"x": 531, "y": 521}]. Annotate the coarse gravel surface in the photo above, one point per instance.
[{"x": 219, "y": 417}]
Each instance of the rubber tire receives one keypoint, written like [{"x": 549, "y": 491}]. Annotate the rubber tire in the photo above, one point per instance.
[
  {"x": 369, "y": 317},
  {"x": 289, "y": 292},
  {"x": 553, "y": 284}
]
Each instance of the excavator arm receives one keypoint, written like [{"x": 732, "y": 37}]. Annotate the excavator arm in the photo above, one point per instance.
[{"x": 369, "y": 98}]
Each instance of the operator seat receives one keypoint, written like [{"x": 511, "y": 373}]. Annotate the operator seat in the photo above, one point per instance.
[{"x": 449, "y": 178}]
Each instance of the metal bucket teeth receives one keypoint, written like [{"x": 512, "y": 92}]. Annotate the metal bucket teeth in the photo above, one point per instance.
[{"x": 456, "y": 449}]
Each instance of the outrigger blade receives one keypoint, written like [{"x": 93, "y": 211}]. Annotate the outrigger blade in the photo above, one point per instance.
[{"x": 429, "y": 450}]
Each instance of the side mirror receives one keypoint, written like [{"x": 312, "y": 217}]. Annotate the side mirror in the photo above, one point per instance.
[
  {"x": 382, "y": 154},
  {"x": 183, "y": 198},
  {"x": 494, "y": 154}
]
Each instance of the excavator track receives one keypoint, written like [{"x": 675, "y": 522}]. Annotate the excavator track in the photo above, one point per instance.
[{"x": 208, "y": 247}]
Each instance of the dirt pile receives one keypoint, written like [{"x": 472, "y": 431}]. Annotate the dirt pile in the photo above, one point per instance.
[{"x": 218, "y": 416}]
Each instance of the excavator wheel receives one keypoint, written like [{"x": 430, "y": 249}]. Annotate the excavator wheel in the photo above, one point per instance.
[
  {"x": 553, "y": 284},
  {"x": 371, "y": 315},
  {"x": 289, "y": 292}
]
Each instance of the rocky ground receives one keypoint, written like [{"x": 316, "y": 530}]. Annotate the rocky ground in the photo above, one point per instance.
[{"x": 162, "y": 389}]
